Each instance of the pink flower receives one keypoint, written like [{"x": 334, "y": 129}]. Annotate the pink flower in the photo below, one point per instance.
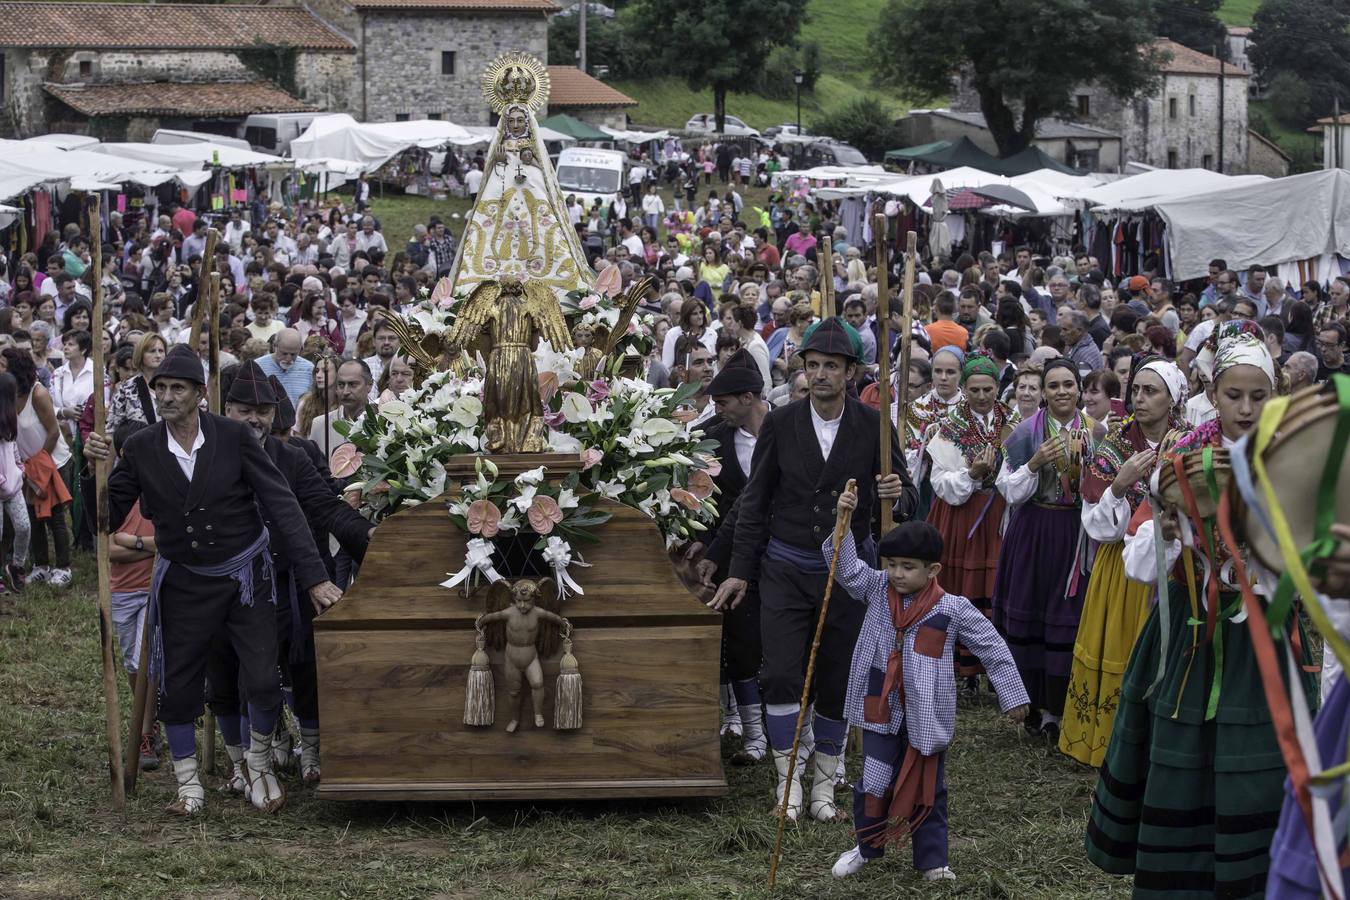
[
  {"x": 700, "y": 484},
  {"x": 684, "y": 498},
  {"x": 548, "y": 385},
  {"x": 590, "y": 457},
  {"x": 610, "y": 281},
  {"x": 484, "y": 518},
  {"x": 554, "y": 420},
  {"x": 590, "y": 301},
  {"x": 598, "y": 390},
  {"x": 714, "y": 467},
  {"x": 345, "y": 461},
  {"x": 544, "y": 514}
]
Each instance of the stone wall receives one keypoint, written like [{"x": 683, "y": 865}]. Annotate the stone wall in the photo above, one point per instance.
[
  {"x": 402, "y": 59},
  {"x": 325, "y": 79},
  {"x": 608, "y": 116}
]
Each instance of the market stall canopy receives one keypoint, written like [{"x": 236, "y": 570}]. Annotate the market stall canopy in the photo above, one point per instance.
[
  {"x": 1265, "y": 223},
  {"x": 961, "y": 152},
  {"x": 1032, "y": 159},
  {"x": 9, "y": 215},
  {"x": 483, "y": 134},
  {"x": 916, "y": 187},
  {"x": 634, "y": 137},
  {"x": 64, "y": 141},
  {"x": 83, "y": 169},
  {"x": 574, "y": 128},
  {"x": 372, "y": 144},
  {"x": 1139, "y": 192},
  {"x": 194, "y": 155}
]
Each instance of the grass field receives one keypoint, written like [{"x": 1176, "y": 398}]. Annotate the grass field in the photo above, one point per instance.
[{"x": 1017, "y": 813}]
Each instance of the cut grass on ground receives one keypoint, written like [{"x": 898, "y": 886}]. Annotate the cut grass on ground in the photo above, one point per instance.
[{"x": 1017, "y": 815}]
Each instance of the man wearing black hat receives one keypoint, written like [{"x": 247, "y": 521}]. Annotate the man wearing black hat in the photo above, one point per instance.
[
  {"x": 253, "y": 399},
  {"x": 806, "y": 454},
  {"x": 201, "y": 479},
  {"x": 735, "y": 393}
]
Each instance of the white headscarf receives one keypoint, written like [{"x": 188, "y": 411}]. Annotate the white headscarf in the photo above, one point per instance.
[
  {"x": 1171, "y": 376},
  {"x": 1243, "y": 349}
]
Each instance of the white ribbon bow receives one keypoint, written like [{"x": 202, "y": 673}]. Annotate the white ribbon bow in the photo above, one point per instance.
[
  {"x": 558, "y": 554},
  {"x": 477, "y": 558}
]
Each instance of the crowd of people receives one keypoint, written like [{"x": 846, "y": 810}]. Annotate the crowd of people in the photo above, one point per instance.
[{"x": 1038, "y": 398}]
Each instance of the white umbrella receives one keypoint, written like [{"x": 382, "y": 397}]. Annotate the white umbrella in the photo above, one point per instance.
[{"x": 939, "y": 236}]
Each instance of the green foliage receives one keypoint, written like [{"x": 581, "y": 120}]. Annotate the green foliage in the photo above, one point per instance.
[
  {"x": 606, "y": 44},
  {"x": 1305, "y": 154},
  {"x": 775, "y": 79},
  {"x": 717, "y": 44},
  {"x": 865, "y": 124},
  {"x": 1290, "y": 99},
  {"x": 1022, "y": 58},
  {"x": 273, "y": 62},
  {"x": 1306, "y": 39},
  {"x": 1195, "y": 24},
  {"x": 810, "y": 63}
]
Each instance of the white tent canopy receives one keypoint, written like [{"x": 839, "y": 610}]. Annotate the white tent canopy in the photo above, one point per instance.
[
  {"x": 1149, "y": 188},
  {"x": 1262, "y": 223},
  {"x": 65, "y": 141},
  {"x": 193, "y": 156},
  {"x": 39, "y": 163},
  {"x": 373, "y": 144},
  {"x": 634, "y": 137}
]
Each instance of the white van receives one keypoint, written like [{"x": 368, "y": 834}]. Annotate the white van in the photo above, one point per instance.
[
  {"x": 589, "y": 173},
  {"x": 273, "y": 132}
]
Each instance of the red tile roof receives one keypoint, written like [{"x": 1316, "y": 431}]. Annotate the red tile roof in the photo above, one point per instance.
[
  {"x": 162, "y": 26},
  {"x": 569, "y": 86},
  {"x": 1240, "y": 30},
  {"x": 496, "y": 6},
  {"x": 198, "y": 100},
  {"x": 1185, "y": 61}
]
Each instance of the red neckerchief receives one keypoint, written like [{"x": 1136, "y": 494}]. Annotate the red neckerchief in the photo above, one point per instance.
[{"x": 877, "y": 710}]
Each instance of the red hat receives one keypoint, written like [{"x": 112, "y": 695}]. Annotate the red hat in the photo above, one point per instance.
[{"x": 1137, "y": 283}]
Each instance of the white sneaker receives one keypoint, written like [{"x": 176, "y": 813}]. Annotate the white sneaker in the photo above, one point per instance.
[
  {"x": 39, "y": 574},
  {"x": 850, "y": 862},
  {"x": 59, "y": 578},
  {"x": 943, "y": 873}
]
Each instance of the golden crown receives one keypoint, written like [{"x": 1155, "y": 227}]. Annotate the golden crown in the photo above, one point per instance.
[{"x": 515, "y": 78}]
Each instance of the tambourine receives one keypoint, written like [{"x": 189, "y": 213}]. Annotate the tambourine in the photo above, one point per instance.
[
  {"x": 1070, "y": 462},
  {"x": 1170, "y": 490},
  {"x": 1295, "y": 460}
]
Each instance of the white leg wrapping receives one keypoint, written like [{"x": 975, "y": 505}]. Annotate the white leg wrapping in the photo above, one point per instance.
[
  {"x": 309, "y": 755},
  {"x": 191, "y": 794},
  {"x": 756, "y": 744},
  {"x": 264, "y": 789},
  {"x": 236, "y": 783},
  {"x": 823, "y": 807},
  {"x": 283, "y": 747},
  {"x": 794, "y": 807}
]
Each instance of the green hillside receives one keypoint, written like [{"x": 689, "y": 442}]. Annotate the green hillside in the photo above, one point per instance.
[{"x": 1238, "y": 12}]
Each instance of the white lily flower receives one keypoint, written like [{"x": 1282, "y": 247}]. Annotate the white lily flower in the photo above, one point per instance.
[
  {"x": 611, "y": 489},
  {"x": 526, "y": 498},
  {"x": 531, "y": 476},
  {"x": 567, "y": 499},
  {"x": 575, "y": 408},
  {"x": 561, "y": 442}
]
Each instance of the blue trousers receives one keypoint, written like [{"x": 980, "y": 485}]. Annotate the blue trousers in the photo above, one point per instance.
[{"x": 882, "y": 756}]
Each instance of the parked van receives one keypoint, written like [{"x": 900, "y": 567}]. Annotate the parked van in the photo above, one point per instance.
[
  {"x": 589, "y": 174},
  {"x": 273, "y": 132}
]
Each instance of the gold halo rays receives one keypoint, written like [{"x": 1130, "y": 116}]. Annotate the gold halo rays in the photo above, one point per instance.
[{"x": 515, "y": 77}]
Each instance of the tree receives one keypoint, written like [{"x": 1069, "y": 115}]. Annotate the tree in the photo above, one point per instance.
[
  {"x": 865, "y": 124},
  {"x": 718, "y": 44},
  {"x": 607, "y": 44},
  {"x": 1195, "y": 24},
  {"x": 1020, "y": 57},
  {"x": 1306, "y": 39}
]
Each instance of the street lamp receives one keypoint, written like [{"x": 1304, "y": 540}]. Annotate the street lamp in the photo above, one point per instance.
[{"x": 797, "y": 78}]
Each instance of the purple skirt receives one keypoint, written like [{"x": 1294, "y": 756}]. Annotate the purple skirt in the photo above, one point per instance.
[
  {"x": 1293, "y": 866},
  {"x": 1033, "y": 608}
]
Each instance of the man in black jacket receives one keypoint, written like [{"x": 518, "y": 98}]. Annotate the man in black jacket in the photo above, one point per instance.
[
  {"x": 201, "y": 480},
  {"x": 253, "y": 400},
  {"x": 735, "y": 392},
  {"x": 806, "y": 453}
]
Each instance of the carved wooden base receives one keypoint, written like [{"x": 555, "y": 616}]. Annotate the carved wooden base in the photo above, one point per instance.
[{"x": 512, "y": 464}]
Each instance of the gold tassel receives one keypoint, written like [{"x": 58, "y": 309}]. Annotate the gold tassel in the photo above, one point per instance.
[
  {"x": 480, "y": 696},
  {"x": 567, "y": 703}
]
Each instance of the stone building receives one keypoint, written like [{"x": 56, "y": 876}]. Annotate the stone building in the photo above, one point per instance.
[
  {"x": 583, "y": 97},
  {"x": 119, "y": 71},
  {"x": 1176, "y": 127},
  {"x": 1078, "y": 146},
  {"x": 1264, "y": 157}
]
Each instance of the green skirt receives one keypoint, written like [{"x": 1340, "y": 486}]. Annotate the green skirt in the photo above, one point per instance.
[{"x": 1189, "y": 806}]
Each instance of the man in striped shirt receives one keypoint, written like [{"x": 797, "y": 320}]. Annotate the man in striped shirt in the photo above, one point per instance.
[{"x": 293, "y": 371}]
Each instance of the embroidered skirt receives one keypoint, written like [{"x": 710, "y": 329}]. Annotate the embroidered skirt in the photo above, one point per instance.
[
  {"x": 1033, "y": 607},
  {"x": 970, "y": 545},
  {"x": 1189, "y": 806},
  {"x": 1114, "y": 611}
]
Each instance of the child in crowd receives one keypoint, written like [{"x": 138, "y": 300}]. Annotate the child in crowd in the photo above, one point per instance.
[
  {"x": 11, "y": 482},
  {"x": 902, "y": 695}
]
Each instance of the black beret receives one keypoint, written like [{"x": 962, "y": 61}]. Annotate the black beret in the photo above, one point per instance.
[
  {"x": 251, "y": 386},
  {"x": 284, "y": 420},
  {"x": 740, "y": 375},
  {"x": 180, "y": 362},
  {"x": 831, "y": 336},
  {"x": 912, "y": 540}
]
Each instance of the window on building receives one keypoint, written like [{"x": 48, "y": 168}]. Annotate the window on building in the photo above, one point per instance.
[
  {"x": 86, "y": 68},
  {"x": 1191, "y": 103},
  {"x": 401, "y": 117},
  {"x": 435, "y": 117},
  {"x": 1207, "y": 161},
  {"x": 447, "y": 62},
  {"x": 1171, "y": 107},
  {"x": 1084, "y": 102},
  {"x": 1171, "y": 159}
]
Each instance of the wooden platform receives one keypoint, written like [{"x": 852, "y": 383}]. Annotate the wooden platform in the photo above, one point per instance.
[{"x": 393, "y": 659}]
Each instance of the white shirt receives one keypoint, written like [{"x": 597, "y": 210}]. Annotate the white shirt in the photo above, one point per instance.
[
  {"x": 1199, "y": 334},
  {"x": 376, "y": 370},
  {"x": 372, "y": 241},
  {"x": 826, "y": 430},
  {"x": 1199, "y": 410},
  {"x": 187, "y": 461},
  {"x": 234, "y": 235},
  {"x": 745, "y": 448},
  {"x": 634, "y": 245},
  {"x": 473, "y": 179}
]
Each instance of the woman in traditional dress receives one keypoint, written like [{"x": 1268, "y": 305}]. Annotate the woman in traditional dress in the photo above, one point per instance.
[
  {"x": 1191, "y": 786},
  {"x": 1115, "y": 485},
  {"x": 967, "y": 510},
  {"x": 1038, "y": 591}
]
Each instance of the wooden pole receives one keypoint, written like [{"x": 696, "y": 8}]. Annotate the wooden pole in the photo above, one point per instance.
[
  {"x": 884, "y": 357},
  {"x": 141, "y": 699},
  {"x": 840, "y": 529},
  {"x": 111, "y": 707},
  {"x": 213, "y": 350},
  {"x": 203, "y": 287},
  {"x": 907, "y": 313},
  {"x": 826, "y": 277}
]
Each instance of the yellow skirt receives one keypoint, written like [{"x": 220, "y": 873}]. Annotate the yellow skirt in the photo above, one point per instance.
[{"x": 1114, "y": 612}]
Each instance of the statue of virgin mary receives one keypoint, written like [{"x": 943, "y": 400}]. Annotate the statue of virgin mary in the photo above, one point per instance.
[{"x": 519, "y": 226}]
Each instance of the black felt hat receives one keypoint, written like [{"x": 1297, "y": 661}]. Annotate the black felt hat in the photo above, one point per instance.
[
  {"x": 251, "y": 386},
  {"x": 740, "y": 375},
  {"x": 831, "y": 336},
  {"x": 284, "y": 420},
  {"x": 912, "y": 540},
  {"x": 180, "y": 362}
]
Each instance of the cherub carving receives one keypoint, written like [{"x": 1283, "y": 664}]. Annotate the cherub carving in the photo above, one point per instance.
[{"x": 531, "y": 631}]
